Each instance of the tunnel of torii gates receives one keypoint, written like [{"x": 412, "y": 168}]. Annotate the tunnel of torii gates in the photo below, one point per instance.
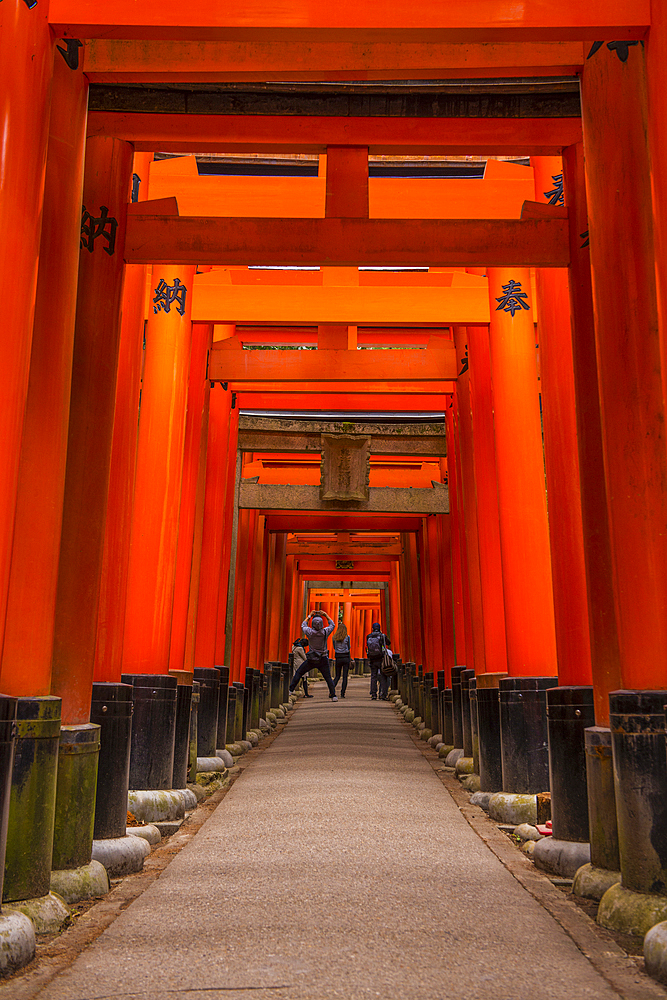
[{"x": 473, "y": 341}]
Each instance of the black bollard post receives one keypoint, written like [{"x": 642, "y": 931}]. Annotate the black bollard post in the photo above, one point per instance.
[
  {"x": 153, "y": 730},
  {"x": 602, "y": 822},
  {"x": 238, "y": 728},
  {"x": 428, "y": 685},
  {"x": 441, "y": 688},
  {"x": 420, "y": 691},
  {"x": 78, "y": 757},
  {"x": 523, "y": 733},
  {"x": 246, "y": 710},
  {"x": 474, "y": 723},
  {"x": 223, "y": 694},
  {"x": 435, "y": 711},
  {"x": 570, "y": 712},
  {"x": 448, "y": 717},
  {"x": 637, "y": 722},
  {"x": 7, "y": 738},
  {"x": 488, "y": 726},
  {"x": 465, "y": 711},
  {"x": 209, "y": 694},
  {"x": 32, "y": 799},
  {"x": 184, "y": 680},
  {"x": 457, "y": 710},
  {"x": 111, "y": 709},
  {"x": 194, "y": 720},
  {"x": 284, "y": 670},
  {"x": 231, "y": 715}
]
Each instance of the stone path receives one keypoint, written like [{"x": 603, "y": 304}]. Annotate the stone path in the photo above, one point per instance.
[{"x": 337, "y": 866}]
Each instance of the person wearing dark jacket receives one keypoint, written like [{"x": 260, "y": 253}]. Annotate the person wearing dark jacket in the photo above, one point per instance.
[
  {"x": 318, "y": 654},
  {"x": 376, "y": 643},
  {"x": 341, "y": 645}
]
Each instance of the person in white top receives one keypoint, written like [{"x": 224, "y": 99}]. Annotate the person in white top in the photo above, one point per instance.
[
  {"x": 341, "y": 645},
  {"x": 318, "y": 654}
]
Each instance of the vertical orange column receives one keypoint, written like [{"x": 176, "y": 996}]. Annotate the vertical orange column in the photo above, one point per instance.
[
  {"x": 225, "y": 609},
  {"x": 108, "y": 168},
  {"x": 113, "y": 584},
  {"x": 434, "y": 569},
  {"x": 286, "y": 627},
  {"x": 630, "y": 354},
  {"x": 561, "y": 455},
  {"x": 239, "y": 622},
  {"x": 524, "y": 533},
  {"x": 26, "y": 61},
  {"x": 193, "y": 598},
  {"x": 157, "y": 492},
  {"x": 198, "y": 389},
  {"x": 394, "y": 606},
  {"x": 462, "y": 625},
  {"x": 416, "y": 599},
  {"x": 605, "y": 656},
  {"x": 465, "y": 454},
  {"x": 656, "y": 65},
  {"x": 213, "y": 526},
  {"x": 486, "y": 485},
  {"x": 446, "y": 589},
  {"x": 28, "y": 645}
]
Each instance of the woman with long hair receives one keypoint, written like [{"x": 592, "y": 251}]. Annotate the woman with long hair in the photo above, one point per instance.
[{"x": 341, "y": 645}]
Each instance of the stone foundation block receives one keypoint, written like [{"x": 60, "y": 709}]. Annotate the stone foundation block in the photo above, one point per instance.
[
  {"x": 591, "y": 882},
  {"x": 631, "y": 912},
  {"x": 453, "y": 756},
  {"x": 464, "y": 765},
  {"x": 444, "y": 751},
  {"x": 561, "y": 857},
  {"x": 510, "y": 807},
  {"x": 225, "y": 757},
  {"x": 434, "y": 740},
  {"x": 481, "y": 799},
  {"x": 48, "y": 914},
  {"x": 210, "y": 764},
  {"x": 655, "y": 952},
  {"x": 121, "y": 855},
  {"x": 157, "y": 805},
  {"x": 425, "y": 734},
  {"x": 17, "y": 941},
  {"x": 149, "y": 833},
  {"x": 470, "y": 782},
  {"x": 85, "y": 882}
]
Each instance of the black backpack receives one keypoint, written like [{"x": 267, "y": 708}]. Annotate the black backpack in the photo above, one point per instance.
[{"x": 375, "y": 645}]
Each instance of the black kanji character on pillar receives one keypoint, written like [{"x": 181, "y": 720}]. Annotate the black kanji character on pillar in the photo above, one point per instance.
[
  {"x": 513, "y": 298},
  {"x": 622, "y": 49},
  {"x": 166, "y": 294},
  {"x": 556, "y": 196},
  {"x": 92, "y": 227},
  {"x": 464, "y": 362}
]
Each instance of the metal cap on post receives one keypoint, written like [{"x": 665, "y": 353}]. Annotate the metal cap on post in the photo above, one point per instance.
[
  {"x": 209, "y": 685},
  {"x": 111, "y": 708},
  {"x": 523, "y": 733},
  {"x": 153, "y": 730}
]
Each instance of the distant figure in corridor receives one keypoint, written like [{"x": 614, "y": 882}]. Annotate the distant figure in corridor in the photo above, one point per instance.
[
  {"x": 341, "y": 645},
  {"x": 376, "y": 644},
  {"x": 318, "y": 654},
  {"x": 299, "y": 647}
]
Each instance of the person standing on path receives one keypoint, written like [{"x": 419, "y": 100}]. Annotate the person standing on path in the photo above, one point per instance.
[
  {"x": 341, "y": 645},
  {"x": 318, "y": 654},
  {"x": 299, "y": 650},
  {"x": 376, "y": 644}
]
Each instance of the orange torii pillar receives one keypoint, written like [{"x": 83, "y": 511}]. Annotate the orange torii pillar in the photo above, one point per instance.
[
  {"x": 225, "y": 607},
  {"x": 197, "y": 405},
  {"x": 275, "y": 593},
  {"x": 28, "y": 644},
  {"x": 255, "y": 621},
  {"x": 462, "y": 624},
  {"x": 217, "y": 459},
  {"x": 468, "y": 492},
  {"x": 561, "y": 455},
  {"x": 486, "y": 485},
  {"x": 241, "y": 617},
  {"x": 287, "y": 634},
  {"x": 107, "y": 176},
  {"x": 656, "y": 66},
  {"x": 157, "y": 493},
  {"x": 524, "y": 531},
  {"x": 113, "y": 584},
  {"x": 605, "y": 655},
  {"x": 447, "y": 594},
  {"x": 26, "y": 62},
  {"x": 630, "y": 351},
  {"x": 394, "y": 607}
]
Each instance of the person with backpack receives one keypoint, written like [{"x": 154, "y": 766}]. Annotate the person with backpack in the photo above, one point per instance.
[
  {"x": 341, "y": 645},
  {"x": 376, "y": 644},
  {"x": 299, "y": 647},
  {"x": 318, "y": 654}
]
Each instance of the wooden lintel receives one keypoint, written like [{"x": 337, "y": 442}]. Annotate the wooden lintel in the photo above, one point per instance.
[
  {"x": 265, "y": 434},
  {"x": 315, "y": 368},
  {"x": 122, "y": 60},
  {"x": 286, "y": 521},
  {"x": 381, "y": 499},
  {"x": 358, "y": 550},
  {"x": 391, "y": 20},
  {"x": 193, "y": 133},
  {"x": 347, "y": 242}
]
